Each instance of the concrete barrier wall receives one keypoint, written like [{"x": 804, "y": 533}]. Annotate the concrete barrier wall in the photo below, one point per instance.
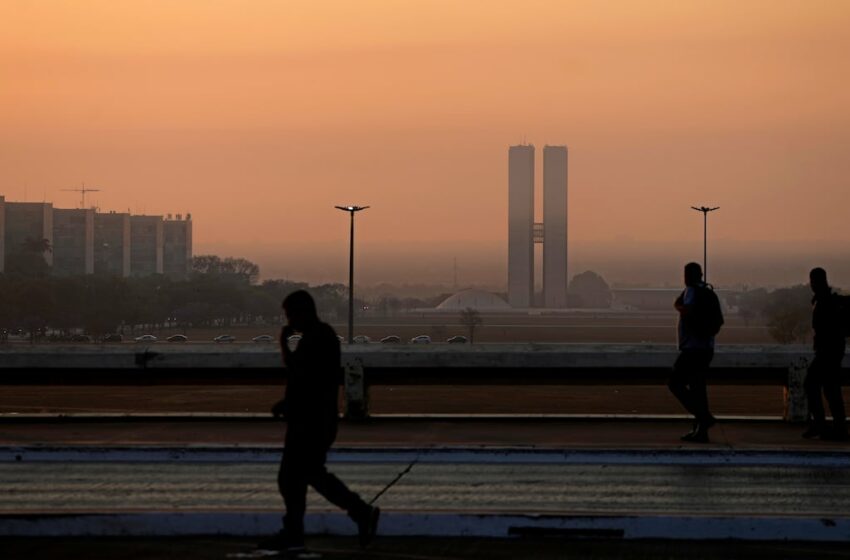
[{"x": 383, "y": 356}]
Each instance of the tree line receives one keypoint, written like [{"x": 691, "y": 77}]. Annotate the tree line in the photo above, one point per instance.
[{"x": 217, "y": 292}]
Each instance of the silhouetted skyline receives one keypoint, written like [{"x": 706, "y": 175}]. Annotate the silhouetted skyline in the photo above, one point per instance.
[{"x": 244, "y": 115}]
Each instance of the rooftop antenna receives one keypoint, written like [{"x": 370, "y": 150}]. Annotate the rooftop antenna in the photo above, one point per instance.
[{"x": 83, "y": 192}]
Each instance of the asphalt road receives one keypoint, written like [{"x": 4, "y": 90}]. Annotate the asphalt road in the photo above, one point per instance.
[
  {"x": 345, "y": 548},
  {"x": 494, "y": 488}
]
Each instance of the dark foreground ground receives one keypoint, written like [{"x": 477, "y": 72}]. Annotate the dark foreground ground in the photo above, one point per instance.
[{"x": 342, "y": 548}]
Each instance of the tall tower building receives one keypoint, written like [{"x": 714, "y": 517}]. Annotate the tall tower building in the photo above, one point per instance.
[
  {"x": 521, "y": 226},
  {"x": 555, "y": 227},
  {"x": 112, "y": 244},
  {"x": 145, "y": 245},
  {"x": 73, "y": 241},
  {"x": 28, "y": 222}
]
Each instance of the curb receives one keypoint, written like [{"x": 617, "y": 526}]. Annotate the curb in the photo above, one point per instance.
[
  {"x": 473, "y": 455},
  {"x": 433, "y": 524}
]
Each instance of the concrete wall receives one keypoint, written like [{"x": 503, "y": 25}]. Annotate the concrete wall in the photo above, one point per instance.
[
  {"x": 28, "y": 220},
  {"x": 112, "y": 244},
  {"x": 555, "y": 227},
  {"x": 520, "y": 226},
  {"x": 2, "y": 233},
  {"x": 164, "y": 355},
  {"x": 73, "y": 241},
  {"x": 146, "y": 242},
  {"x": 177, "y": 248}
]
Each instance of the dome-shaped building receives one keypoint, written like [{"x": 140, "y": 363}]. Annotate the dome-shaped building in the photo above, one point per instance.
[{"x": 476, "y": 299}]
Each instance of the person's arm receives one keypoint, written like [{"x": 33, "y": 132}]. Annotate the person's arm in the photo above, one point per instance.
[
  {"x": 685, "y": 302},
  {"x": 286, "y": 353}
]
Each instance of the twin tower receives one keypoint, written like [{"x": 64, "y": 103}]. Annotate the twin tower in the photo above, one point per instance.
[{"x": 523, "y": 232}]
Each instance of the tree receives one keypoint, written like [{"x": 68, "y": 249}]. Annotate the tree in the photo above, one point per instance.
[
  {"x": 752, "y": 304},
  {"x": 243, "y": 269},
  {"x": 589, "y": 289},
  {"x": 789, "y": 314},
  {"x": 471, "y": 319},
  {"x": 206, "y": 264},
  {"x": 28, "y": 259},
  {"x": 37, "y": 246}
]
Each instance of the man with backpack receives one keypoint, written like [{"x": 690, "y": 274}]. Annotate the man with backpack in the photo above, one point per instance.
[
  {"x": 700, "y": 319},
  {"x": 829, "y": 322}
]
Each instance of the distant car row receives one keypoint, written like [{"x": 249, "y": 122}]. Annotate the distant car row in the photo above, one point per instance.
[
  {"x": 421, "y": 339},
  {"x": 265, "y": 338}
]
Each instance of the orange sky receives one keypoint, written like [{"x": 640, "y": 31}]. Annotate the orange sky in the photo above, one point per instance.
[{"x": 259, "y": 116}]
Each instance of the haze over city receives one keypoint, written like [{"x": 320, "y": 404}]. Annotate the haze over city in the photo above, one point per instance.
[{"x": 259, "y": 121}]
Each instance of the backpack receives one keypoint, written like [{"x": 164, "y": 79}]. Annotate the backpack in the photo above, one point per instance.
[
  {"x": 708, "y": 316},
  {"x": 843, "y": 306}
]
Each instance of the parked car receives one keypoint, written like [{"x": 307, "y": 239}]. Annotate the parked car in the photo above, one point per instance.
[
  {"x": 114, "y": 337},
  {"x": 80, "y": 338},
  {"x": 224, "y": 338},
  {"x": 146, "y": 338},
  {"x": 392, "y": 339},
  {"x": 457, "y": 340},
  {"x": 421, "y": 339},
  {"x": 341, "y": 339},
  {"x": 362, "y": 339},
  {"x": 177, "y": 338},
  {"x": 263, "y": 338}
]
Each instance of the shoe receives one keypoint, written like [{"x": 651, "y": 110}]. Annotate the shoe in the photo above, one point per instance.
[
  {"x": 700, "y": 435},
  {"x": 367, "y": 526},
  {"x": 281, "y": 543},
  {"x": 836, "y": 434},
  {"x": 812, "y": 432}
]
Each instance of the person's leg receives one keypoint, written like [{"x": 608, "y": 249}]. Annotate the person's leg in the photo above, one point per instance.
[
  {"x": 292, "y": 483},
  {"x": 699, "y": 389},
  {"x": 332, "y": 488},
  {"x": 812, "y": 386},
  {"x": 336, "y": 492},
  {"x": 679, "y": 381},
  {"x": 832, "y": 392}
]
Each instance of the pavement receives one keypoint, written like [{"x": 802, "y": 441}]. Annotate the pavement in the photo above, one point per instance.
[
  {"x": 434, "y": 477},
  {"x": 508, "y": 432},
  {"x": 417, "y": 548}
]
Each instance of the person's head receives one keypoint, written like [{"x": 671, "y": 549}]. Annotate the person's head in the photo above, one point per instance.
[
  {"x": 817, "y": 280},
  {"x": 693, "y": 274},
  {"x": 300, "y": 310}
]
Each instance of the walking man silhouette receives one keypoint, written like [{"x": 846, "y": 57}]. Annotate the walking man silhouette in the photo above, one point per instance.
[
  {"x": 310, "y": 409},
  {"x": 824, "y": 374},
  {"x": 700, "y": 319}
]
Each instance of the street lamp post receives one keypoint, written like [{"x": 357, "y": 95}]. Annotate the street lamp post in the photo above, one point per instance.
[
  {"x": 351, "y": 210},
  {"x": 705, "y": 210}
]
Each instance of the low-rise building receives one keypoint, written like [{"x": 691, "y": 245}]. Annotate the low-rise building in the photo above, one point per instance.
[
  {"x": 27, "y": 224},
  {"x": 73, "y": 241},
  {"x": 112, "y": 244},
  {"x": 177, "y": 246},
  {"x": 146, "y": 245}
]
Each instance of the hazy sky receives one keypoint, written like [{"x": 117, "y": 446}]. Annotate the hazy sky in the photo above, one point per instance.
[{"x": 259, "y": 116}]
